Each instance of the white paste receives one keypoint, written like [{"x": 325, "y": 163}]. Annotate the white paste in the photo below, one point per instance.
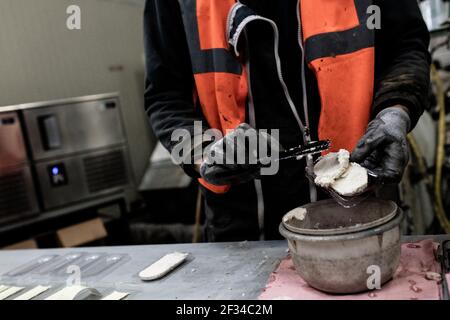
[
  {"x": 163, "y": 266},
  {"x": 331, "y": 167},
  {"x": 116, "y": 295},
  {"x": 433, "y": 276},
  {"x": 33, "y": 293},
  {"x": 5, "y": 294},
  {"x": 72, "y": 292},
  {"x": 352, "y": 182},
  {"x": 335, "y": 171},
  {"x": 298, "y": 214}
]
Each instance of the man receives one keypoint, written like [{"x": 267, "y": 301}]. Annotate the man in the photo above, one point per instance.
[{"x": 312, "y": 69}]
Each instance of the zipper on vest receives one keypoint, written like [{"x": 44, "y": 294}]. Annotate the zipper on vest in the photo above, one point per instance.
[{"x": 309, "y": 159}]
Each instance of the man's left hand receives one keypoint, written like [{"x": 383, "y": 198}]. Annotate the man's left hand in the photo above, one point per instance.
[{"x": 384, "y": 148}]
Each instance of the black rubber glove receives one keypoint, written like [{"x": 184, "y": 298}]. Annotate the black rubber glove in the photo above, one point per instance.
[
  {"x": 384, "y": 147},
  {"x": 221, "y": 166}
]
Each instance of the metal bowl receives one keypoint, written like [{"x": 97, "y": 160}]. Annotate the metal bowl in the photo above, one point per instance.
[{"x": 336, "y": 250}]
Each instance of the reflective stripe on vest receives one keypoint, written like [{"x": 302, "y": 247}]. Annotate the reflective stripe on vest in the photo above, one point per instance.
[
  {"x": 221, "y": 81},
  {"x": 340, "y": 50}
]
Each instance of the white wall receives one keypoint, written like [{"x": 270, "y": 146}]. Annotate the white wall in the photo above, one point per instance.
[{"x": 40, "y": 59}]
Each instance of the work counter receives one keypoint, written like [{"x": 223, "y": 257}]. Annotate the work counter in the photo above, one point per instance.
[{"x": 212, "y": 271}]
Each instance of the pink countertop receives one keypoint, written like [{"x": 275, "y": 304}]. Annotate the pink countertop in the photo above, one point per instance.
[{"x": 408, "y": 283}]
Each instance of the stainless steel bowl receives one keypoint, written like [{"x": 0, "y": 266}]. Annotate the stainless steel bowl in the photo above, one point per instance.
[{"x": 333, "y": 247}]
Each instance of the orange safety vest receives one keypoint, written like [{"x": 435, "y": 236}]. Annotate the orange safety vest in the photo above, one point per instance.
[{"x": 339, "y": 48}]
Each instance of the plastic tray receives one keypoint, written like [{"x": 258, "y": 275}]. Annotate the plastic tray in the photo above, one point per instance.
[{"x": 49, "y": 267}]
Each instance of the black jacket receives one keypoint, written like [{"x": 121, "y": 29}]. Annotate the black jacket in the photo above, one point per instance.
[{"x": 401, "y": 77}]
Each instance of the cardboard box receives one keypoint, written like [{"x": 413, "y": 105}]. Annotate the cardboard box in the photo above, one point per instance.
[{"x": 82, "y": 233}]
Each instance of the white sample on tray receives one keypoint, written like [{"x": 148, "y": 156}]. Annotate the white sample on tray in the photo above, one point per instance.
[
  {"x": 163, "y": 266},
  {"x": 3, "y": 287},
  {"x": 5, "y": 294},
  {"x": 116, "y": 295},
  {"x": 32, "y": 293},
  {"x": 72, "y": 292}
]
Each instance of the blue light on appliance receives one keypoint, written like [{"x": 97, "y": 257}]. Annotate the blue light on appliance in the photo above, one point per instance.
[
  {"x": 55, "y": 171},
  {"x": 57, "y": 175}
]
